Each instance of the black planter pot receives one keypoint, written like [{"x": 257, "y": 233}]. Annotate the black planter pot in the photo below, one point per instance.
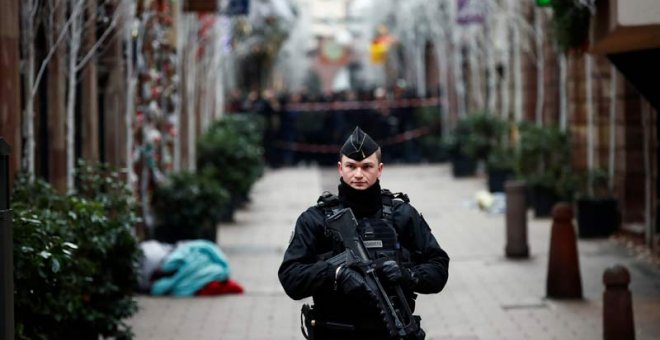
[
  {"x": 209, "y": 232},
  {"x": 227, "y": 213},
  {"x": 543, "y": 199},
  {"x": 597, "y": 217},
  {"x": 463, "y": 166},
  {"x": 496, "y": 179}
]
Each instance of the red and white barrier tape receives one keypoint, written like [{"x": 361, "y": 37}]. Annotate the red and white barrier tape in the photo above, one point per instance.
[
  {"x": 332, "y": 148},
  {"x": 362, "y": 105}
]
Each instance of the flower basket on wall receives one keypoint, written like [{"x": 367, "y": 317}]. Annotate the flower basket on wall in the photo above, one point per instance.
[{"x": 570, "y": 24}]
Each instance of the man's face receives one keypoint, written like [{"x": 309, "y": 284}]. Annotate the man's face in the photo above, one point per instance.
[{"x": 360, "y": 175}]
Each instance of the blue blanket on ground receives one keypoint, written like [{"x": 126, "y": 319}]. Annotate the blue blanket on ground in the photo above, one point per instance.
[{"x": 195, "y": 263}]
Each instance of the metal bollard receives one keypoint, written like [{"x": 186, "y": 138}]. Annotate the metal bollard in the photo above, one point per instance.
[
  {"x": 516, "y": 219},
  {"x": 6, "y": 249},
  {"x": 563, "y": 281},
  {"x": 617, "y": 305}
]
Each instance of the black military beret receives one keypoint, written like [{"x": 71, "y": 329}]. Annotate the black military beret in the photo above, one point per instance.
[{"x": 359, "y": 145}]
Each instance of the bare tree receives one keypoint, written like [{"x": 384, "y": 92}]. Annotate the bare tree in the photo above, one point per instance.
[
  {"x": 75, "y": 66},
  {"x": 75, "y": 40},
  {"x": 588, "y": 60},
  {"x": 70, "y": 34},
  {"x": 128, "y": 9},
  {"x": 540, "y": 64},
  {"x": 612, "y": 146},
  {"x": 29, "y": 10}
]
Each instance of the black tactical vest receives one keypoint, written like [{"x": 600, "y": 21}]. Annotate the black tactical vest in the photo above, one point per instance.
[{"x": 379, "y": 234}]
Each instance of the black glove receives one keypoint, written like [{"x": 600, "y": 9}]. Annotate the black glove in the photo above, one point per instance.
[
  {"x": 350, "y": 282},
  {"x": 393, "y": 273}
]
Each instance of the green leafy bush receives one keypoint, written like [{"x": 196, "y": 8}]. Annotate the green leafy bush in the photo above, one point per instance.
[
  {"x": 570, "y": 23},
  {"x": 502, "y": 157},
  {"x": 230, "y": 151},
  {"x": 593, "y": 184},
  {"x": 431, "y": 146},
  {"x": 543, "y": 159},
  {"x": 476, "y": 135},
  {"x": 75, "y": 258},
  {"x": 188, "y": 206}
]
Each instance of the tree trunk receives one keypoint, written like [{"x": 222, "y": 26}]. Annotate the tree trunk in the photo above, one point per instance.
[
  {"x": 191, "y": 72},
  {"x": 649, "y": 226},
  {"x": 420, "y": 67},
  {"x": 457, "y": 59},
  {"x": 563, "y": 97},
  {"x": 57, "y": 174},
  {"x": 443, "y": 51},
  {"x": 460, "y": 76},
  {"x": 74, "y": 48},
  {"x": 89, "y": 95},
  {"x": 128, "y": 9},
  {"x": 115, "y": 129},
  {"x": 474, "y": 65},
  {"x": 178, "y": 104},
  {"x": 489, "y": 52},
  {"x": 540, "y": 63},
  {"x": 27, "y": 35},
  {"x": 590, "y": 119},
  {"x": 517, "y": 66},
  {"x": 612, "y": 146}
]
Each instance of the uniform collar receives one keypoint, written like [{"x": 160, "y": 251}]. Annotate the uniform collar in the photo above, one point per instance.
[{"x": 364, "y": 203}]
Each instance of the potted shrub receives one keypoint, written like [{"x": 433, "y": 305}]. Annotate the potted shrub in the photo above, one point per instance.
[
  {"x": 486, "y": 132},
  {"x": 497, "y": 151},
  {"x": 462, "y": 164},
  {"x": 597, "y": 210},
  {"x": 432, "y": 147},
  {"x": 472, "y": 141},
  {"x": 231, "y": 153},
  {"x": 75, "y": 257},
  {"x": 500, "y": 166},
  {"x": 543, "y": 161},
  {"x": 188, "y": 206}
]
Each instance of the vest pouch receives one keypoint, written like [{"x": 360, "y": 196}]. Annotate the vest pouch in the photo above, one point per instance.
[{"x": 380, "y": 238}]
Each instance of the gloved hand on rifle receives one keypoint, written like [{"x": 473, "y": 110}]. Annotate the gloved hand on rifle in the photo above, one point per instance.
[
  {"x": 394, "y": 273},
  {"x": 350, "y": 282}
]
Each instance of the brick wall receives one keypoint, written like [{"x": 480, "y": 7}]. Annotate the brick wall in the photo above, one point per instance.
[{"x": 630, "y": 175}]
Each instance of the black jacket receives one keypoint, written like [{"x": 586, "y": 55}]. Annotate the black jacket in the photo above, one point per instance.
[{"x": 303, "y": 272}]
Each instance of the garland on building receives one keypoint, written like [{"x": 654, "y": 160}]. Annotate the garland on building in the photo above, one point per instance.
[{"x": 155, "y": 125}]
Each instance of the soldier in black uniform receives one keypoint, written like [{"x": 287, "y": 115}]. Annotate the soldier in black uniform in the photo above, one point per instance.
[{"x": 396, "y": 236}]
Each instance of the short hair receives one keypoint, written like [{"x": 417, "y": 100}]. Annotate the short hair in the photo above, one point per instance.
[{"x": 378, "y": 153}]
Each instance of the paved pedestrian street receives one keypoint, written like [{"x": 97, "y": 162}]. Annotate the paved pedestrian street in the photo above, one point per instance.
[{"x": 487, "y": 296}]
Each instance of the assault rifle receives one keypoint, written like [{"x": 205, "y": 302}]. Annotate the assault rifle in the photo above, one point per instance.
[{"x": 397, "y": 316}]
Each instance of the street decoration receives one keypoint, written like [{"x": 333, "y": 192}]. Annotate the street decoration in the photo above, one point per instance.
[
  {"x": 333, "y": 53},
  {"x": 380, "y": 45},
  {"x": 471, "y": 12}
]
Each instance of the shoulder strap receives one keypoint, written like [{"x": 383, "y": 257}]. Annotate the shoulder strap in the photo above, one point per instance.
[
  {"x": 329, "y": 203},
  {"x": 387, "y": 198},
  {"x": 402, "y": 196}
]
